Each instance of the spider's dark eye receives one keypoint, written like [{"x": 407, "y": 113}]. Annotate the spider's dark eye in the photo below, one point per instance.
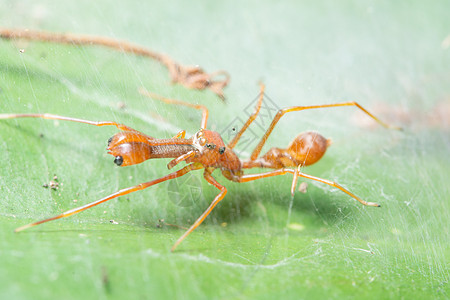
[
  {"x": 118, "y": 160},
  {"x": 210, "y": 146},
  {"x": 221, "y": 150},
  {"x": 110, "y": 140}
]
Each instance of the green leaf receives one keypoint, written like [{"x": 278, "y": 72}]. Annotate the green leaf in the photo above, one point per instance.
[{"x": 391, "y": 57}]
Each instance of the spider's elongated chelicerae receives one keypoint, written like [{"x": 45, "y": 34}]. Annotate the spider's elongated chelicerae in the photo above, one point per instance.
[{"x": 206, "y": 150}]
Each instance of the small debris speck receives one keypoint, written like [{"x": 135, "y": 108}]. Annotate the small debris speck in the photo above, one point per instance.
[
  {"x": 113, "y": 222},
  {"x": 52, "y": 184},
  {"x": 302, "y": 188},
  {"x": 160, "y": 223},
  {"x": 121, "y": 105}
]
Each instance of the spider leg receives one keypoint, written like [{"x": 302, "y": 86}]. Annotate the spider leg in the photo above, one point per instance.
[
  {"x": 336, "y": 185},
  {"x": 223, "y": 191},
  {"x": 236, "y": 138},
  {"x": 295, "y": 180},
  {"x": 181, "y": 172},
  {"x": 204, "y": 110},
  {"x": 251, "y": 177},
  {"x": 56, "y": 117},
  {"x": 283, "y": 111},
  {"x": 179, "y": 159},
  {"x": 180, "y": 134}
]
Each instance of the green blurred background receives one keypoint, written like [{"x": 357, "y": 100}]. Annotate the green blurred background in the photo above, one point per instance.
[{"x": 391, "y": 57}]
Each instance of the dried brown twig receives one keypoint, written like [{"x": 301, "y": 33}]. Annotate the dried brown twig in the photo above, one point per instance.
[{"x": 192, "y": 77}]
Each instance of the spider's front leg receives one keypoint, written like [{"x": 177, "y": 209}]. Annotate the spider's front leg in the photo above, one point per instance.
[{"x": 62, "y": 118}]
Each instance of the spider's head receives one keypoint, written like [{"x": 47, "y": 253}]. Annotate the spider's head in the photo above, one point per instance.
[
  {"x": 212, "y": 151},
  {"x": 208, "y": 143}
]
